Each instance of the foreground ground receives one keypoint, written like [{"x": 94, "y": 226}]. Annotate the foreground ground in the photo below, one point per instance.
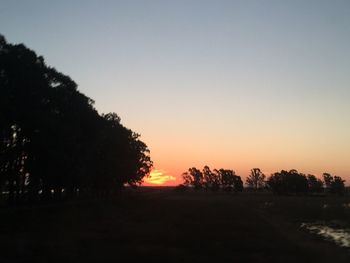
[{"x": 164, "y": 226}]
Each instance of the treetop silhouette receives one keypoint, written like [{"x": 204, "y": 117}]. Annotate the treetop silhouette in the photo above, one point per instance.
[{"x": 53, "y": 140}]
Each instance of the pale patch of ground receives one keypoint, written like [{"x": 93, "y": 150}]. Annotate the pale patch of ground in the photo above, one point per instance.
[{"x": 338, "y": 235}]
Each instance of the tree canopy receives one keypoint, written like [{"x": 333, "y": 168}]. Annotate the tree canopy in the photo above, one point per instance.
[
  {"x": 256, "y": 179},
  {"x": 52, "y": 139},
  {"x": 288, "y": 182},
  {"x": 293, "y": 182},
  {"x": 334, "y": 184},
  {"x": 224, "y": 179}
]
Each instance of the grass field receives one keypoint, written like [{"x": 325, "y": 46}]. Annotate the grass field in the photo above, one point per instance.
[{"x": 159, "y": 224}]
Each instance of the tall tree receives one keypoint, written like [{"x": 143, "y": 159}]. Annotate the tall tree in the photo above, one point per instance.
[
  {"x": 51, "y": 136},
  {"x": 193, "y": 177},
  {"x": 256, "y": 179},
  {"x": 288, "y": 182},
  {"x": 315, "y": 184},
  {"x": 328, "y": 179},
  {"x": 229, "y": 180},
  {"x": 334, "y": 184},
  {"x": 211, "y": 179},
  {"x": 338, "y": 186}
]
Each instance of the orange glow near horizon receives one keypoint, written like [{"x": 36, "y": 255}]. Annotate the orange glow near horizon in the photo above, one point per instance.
[
  {"x": 241, "y": 150},
  {"x": 159, "y": 177}
]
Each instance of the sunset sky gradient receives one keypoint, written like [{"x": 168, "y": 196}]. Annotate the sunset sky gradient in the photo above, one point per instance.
[{"x": 229, "y": 84}]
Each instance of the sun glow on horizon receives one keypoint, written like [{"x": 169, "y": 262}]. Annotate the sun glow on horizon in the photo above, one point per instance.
[{"x": 159, "y": 177}]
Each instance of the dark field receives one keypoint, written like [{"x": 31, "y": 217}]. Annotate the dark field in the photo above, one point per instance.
[{"x": 161, "y": 225}]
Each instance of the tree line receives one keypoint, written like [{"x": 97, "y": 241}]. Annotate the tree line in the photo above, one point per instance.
[
  {"x": 293, "y": 182},
  {"x": 52, "y": 139},
  {"x": 283, "y": 182},
  {"x": 217, "y": 179}
]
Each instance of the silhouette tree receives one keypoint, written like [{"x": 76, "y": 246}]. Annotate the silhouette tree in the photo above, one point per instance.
[
  {"x": 256, "y": 179},
  {"x": 337, "y": 185},
  {"x": 214, "y": 180},
  {"x": 193, "y": 177},
  {"x": 207, "y": 177},
  {"x": 238, "y": 184},
  {"x": 315, "y": 185},
  {"x": 229, "y": 180},
  {"x": 328, "y": 179},
  {"x": 211, "y": 179},
  {"x": 52, "y": 139},
  {"x": 288, "y": 182},
  {"x": 334, "y": 184}
]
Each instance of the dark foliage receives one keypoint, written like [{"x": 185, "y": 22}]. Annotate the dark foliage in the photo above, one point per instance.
[
  {"x": 292, "y": 182},
  {"x": 218, "y": 179},
  {"x": 288, "y": 182},
  {"x": 53, "y": 141},
  {"x": 193, "y": 177},
  {"x": 256, "y": 179},
  {"x": 334, "y": 184},
  {"x": 211, "y": 179},
  {"x": 315, "y": 185}
]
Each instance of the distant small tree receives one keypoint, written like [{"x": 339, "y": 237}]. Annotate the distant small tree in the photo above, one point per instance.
[
  {"x": 226, "y": 178},
  {"x": 187, "y": 179},
  {"x": 193, "y": 177},
  {"x": 334, "y": 184},
  {"x": 337, "y": 185},
  {"x": 238, "y": 184},
  {"x": 288, "y": 182},
  {"x": 256, "y": 179},
  {"x": 229, "y": 180},
  {"x": 328, "y": 179},
  {"x": 211, "y": 179},
  {"x": 216, "y": 181},
  {"x": 207, "y": 177},
  {"x": 315, "y": 184}
]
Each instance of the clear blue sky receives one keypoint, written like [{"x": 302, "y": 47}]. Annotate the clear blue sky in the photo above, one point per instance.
[{"x": 233, "y": 84}]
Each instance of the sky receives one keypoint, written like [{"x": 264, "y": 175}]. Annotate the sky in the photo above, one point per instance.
[{"x": 229, "y": 84}]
